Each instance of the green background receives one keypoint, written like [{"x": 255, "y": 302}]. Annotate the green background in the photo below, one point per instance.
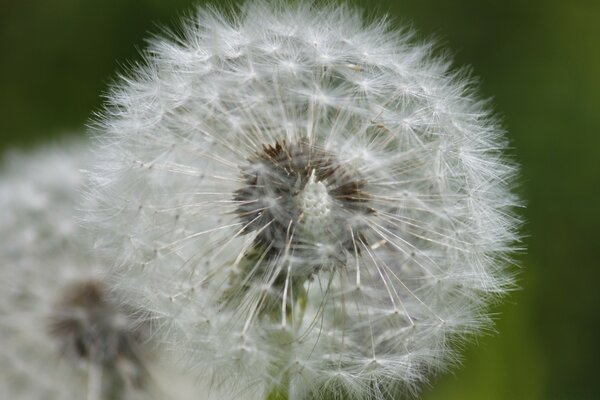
[{"x": 539, "y": 60}]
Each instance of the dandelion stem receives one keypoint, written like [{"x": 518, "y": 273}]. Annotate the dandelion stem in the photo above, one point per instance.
[{"x": 280, "y": 392}]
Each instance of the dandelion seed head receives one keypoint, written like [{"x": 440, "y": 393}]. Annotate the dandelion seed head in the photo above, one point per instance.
[
  {"x": 304, "y": 197},
  {"x": 63, "y": 334}
]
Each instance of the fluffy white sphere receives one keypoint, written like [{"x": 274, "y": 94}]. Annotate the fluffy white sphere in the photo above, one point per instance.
[{"x": 314, "y": 207}]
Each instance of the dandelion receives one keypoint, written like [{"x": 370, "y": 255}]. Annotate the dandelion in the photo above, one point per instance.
[
  {"x": 61, "y": 334},
  {"x": 313, "y": 206}
]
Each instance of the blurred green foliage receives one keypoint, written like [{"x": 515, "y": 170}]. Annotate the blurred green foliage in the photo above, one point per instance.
[{"x": 539, "y": 60}]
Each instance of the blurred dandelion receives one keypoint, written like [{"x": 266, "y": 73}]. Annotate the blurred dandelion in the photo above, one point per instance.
[
  {"x": 61, "y": 334},
  {"x": 314, "y": 207}
]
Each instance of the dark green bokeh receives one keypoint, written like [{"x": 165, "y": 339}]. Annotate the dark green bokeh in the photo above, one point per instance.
[{"x": 539, "y": 60}]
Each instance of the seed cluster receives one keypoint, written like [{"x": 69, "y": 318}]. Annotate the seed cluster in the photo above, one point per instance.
[
  {"x": 87, "y": 326},
  {"x": 270, "y": 202},
  {"x": 313, "y": 206}
]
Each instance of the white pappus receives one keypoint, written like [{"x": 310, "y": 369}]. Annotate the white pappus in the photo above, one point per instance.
[
  {"x": 62, "y": 335},
  {"x": 312, "y": 205}
]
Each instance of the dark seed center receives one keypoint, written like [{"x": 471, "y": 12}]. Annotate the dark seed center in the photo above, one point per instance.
[
  {"x": 277, "y": 175},
  {"x": 87, "y": 326}
]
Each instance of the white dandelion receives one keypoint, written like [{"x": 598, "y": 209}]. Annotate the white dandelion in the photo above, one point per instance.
[
  {"x": 62, "y": 336},
  {"x": 314, "y": 207}
]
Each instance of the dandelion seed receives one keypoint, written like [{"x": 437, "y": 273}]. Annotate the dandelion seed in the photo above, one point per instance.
[{"x": 314, "y": 206}]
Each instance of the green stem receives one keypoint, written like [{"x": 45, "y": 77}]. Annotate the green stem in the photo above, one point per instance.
[
  {"x": 282, "y": 339},
  {"x": 280, "y": 392}
]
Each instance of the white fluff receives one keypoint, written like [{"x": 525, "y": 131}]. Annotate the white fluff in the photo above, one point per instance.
[
  {"x": 43, "y": 260},
  {"x": 312, "y": 205}
]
